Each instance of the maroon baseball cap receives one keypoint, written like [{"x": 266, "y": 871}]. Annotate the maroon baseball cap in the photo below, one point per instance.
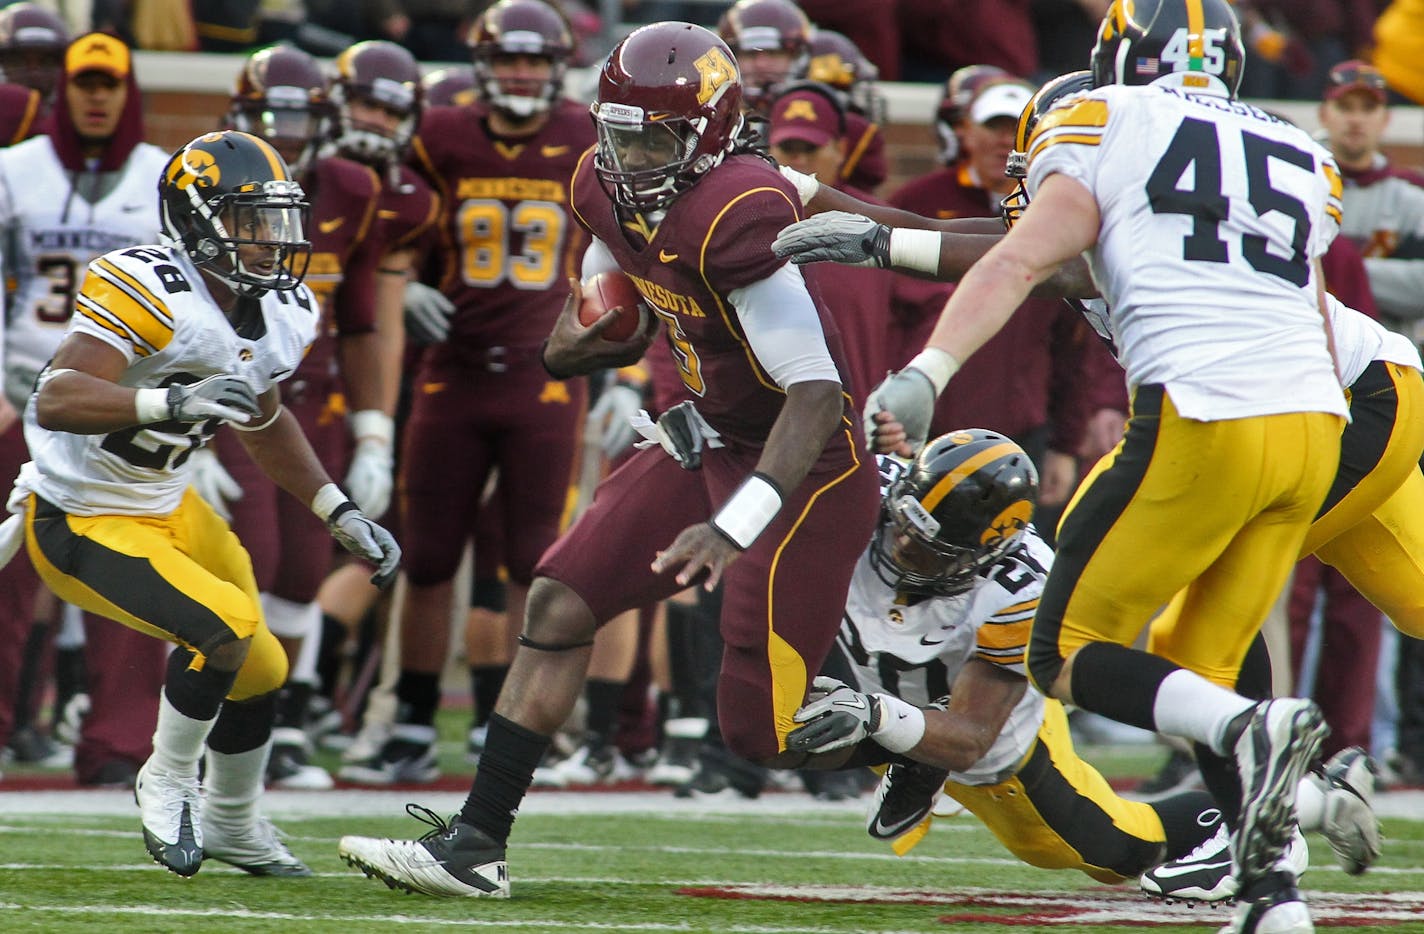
[
  {"x": 1356, "y": 75},
  {"x": 808, "y": 116}
]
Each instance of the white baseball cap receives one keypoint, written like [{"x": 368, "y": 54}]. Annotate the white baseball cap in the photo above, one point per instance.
[{"x": 1007, "y": 99}]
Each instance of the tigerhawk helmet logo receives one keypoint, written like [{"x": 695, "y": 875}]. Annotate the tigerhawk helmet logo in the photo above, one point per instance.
[{"x": 196, "y": 167}]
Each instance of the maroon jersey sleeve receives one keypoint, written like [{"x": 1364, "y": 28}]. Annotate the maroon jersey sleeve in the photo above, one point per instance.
[
  {"x": 345, "y": 198},
  {"x": 408, "y": 212},
  {"x": 735, "y": 222},
  {"x": 1345, "y": 276}
]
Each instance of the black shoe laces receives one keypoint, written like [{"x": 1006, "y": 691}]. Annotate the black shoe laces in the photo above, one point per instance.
[{"x": 440, "y": 826}]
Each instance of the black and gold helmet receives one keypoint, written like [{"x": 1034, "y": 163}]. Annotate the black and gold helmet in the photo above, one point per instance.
[
  {"x": 227, "y": 190},
  {"x": 962, "y": 504},
  {"x": 1053, "y": 91},
  {"x": 1139, "y": 41}
]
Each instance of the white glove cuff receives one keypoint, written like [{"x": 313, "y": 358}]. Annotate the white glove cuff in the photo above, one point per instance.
[
  {"x": 373, "y": 425},
  {"x": 902, "y": 725},
  {"x": 916, "y": 250},
  {"x": 151, "y": 405},
  {"x": 750, "y": 510},
  {"x": 936, "y": 364},
  {"x": 326, "y": 500}
]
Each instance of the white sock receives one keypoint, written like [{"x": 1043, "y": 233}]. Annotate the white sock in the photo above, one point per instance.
[
  {"x": 1190, "y": 706},
  {"x": 1310, "y": 802},
  {"x": 178, "y": 740},
  {"x": 304, "y": 665},
  {"x": 290, "y": 619},
  {"x": 234, "y": 782}
]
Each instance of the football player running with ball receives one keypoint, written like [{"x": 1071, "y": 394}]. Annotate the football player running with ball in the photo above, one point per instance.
[
  {"x": 766, "y": 489},
  {"x": 167, "y": 343}
]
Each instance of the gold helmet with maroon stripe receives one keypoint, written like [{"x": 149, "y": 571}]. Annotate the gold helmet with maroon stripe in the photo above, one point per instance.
[
  {"x": 520, "y": 27},
  {"x": 962, "y": 504},
  {"x": 228, "y": 190},
  {"x": 1140, "y": 41},
  {"x": 377, "y": 74},
  {"x": 668, "y": 111}
]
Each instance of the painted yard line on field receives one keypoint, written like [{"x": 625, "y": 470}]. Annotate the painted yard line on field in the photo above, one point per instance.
[
  {"x": 659, "y": 805},
  {"x": 382, "y": 919}
]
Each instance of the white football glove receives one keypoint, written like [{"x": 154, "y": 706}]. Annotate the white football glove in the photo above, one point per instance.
[
  {"x": 370, "y": 479},
  {"x": 219, "y": 396},
  {"x": 835, "y": 237},
  {"x": 12, "y": 538},
  {"x": 355, "y": 532},
  {"x": 213, "y": 483},
  {"x": 840, "y": 717},
  {"x": 608, "y": 420},
  {"x": 806, "y": 185},
  {"x": 909, "y": 395},
  {"x": 427, "y": 313}
]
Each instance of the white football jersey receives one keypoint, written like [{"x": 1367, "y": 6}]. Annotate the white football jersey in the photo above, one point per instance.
[
  {"x": 1211, "y": 212},
  {"x": 915, "y": 648},
  {"x": 150, "y": 304},
  {"x": 1360, "y": 340},
  {"x": 54, "y": 231}
]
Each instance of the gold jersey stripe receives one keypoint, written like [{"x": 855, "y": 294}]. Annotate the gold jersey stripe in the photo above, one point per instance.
[
  {"x": 136, "y": 288},
  {"x": 1001, "y": 661},
  {"x": 999, "y": 637},
  {"x": 1065, "y": 138},
  {"x": 136, "y": 316},
  {"x": 1029, "y": 605},
  {"x": 118, "y": 331}
]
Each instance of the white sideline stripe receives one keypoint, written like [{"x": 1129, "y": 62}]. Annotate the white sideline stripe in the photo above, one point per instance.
[{"x": 533, "y": 923}]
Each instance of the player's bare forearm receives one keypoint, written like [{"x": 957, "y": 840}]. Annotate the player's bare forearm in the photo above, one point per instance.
[
  {"x": 283, "y": 453},
  {"x": 88, "y": 399},
  {"x": 811, "y": 413},
  {"x": 983, "y": 696},
  {"x": 364, "y": 362}
]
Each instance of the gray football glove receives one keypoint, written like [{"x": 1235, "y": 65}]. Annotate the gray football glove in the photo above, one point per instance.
[
  {"x": 609, "y": 421},
  {"x": 835, "y": 237},
  {"x": 427, "y": 313},
  {"x": 355, "y": 531},
  {"x": 909, "y": 396},
  {"x": 219, "y": 396},
  {"x": 839, "y": 718}
]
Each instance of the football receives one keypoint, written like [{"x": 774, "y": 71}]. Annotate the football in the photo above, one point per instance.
[{"x": 613, "y": 290}]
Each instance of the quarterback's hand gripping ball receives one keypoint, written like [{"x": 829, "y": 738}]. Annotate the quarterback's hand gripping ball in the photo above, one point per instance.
[{"x": 613, "y": 291}]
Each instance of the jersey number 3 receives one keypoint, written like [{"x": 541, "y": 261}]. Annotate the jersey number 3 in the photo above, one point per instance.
[{"x": 1196, "y": 146}]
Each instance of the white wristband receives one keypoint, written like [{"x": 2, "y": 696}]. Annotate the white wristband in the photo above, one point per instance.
[
  {"x": 750, "y": 510},
  {"x": 373, "y": 425},
  {"x": 937, "y": 364},
  {"x": 326, "y": 500},
  {"x": 151, "y": 405},
  {"x": 902, "y": 725},
  {"x": 916, "y": 250}
]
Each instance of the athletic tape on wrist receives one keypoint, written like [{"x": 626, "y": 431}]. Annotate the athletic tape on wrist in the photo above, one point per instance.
[
  {"x": 151, "y": 405},
  {"x": 902, "y": 725},
  {"x": 916, "y": 250},
  {"x": 936, "y": 364},
  {"x": 326, "y": 500},
  {"x": 749, "y": 511}
]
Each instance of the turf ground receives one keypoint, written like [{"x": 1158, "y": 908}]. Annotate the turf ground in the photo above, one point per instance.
[{"x": 631, "y": 861}]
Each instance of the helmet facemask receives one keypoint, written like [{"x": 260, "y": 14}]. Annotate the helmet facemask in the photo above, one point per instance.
[
  {"x": 519, "y": 98},
  {"x": 266, "y": 222},
  {"x": 645, "y": 162},
  {"x": 375, "y": 143},
  {"x": 909, "y": 554},
  {"x": 286, "y": 117}
]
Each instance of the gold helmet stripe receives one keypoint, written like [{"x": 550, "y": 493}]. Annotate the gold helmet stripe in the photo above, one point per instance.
[
  {"x": 279, "y": 168},
  {"x": 952, "y": 479},
  {"x": 1196, "y": 24}
]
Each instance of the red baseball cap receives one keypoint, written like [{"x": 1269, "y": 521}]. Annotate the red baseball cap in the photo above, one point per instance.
[
  {"x": 808, "y": 116},
  {"x": 1356, "y": 75}
]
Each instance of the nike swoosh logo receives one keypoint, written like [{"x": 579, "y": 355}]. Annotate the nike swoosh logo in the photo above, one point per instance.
[
  {"x": 130, "y": 208},
  {"x": 857, "y": 704},
  {"x": 925, "y": 640},
  {"x": 329, "y": 226},
  {"x": 278, "y": 373},
  {"x": 1172, "y": 872},
  {"x": 883, "y": 830},
  {"x": 386, "y": 215},
  {"x": 431, "y": 389},
  {"x": 666, "y": 257},
  {"x": 549, "y": 152}
]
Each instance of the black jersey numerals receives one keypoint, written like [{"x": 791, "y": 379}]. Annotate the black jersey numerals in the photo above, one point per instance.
[
  {"x": 143, "y": 445},
  {"x": 1195, "y": 147}
]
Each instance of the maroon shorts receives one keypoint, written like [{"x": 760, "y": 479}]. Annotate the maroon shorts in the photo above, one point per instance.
[
  {"x": 291, "y": 548},
  {"x": 467, "y": 421},
  {"x": 783, "y": 597}
]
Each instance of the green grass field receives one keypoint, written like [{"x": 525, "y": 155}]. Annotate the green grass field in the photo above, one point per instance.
[{"x": 74, "y": 861}]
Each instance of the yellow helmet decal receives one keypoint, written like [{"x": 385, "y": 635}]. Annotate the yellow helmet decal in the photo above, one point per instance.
[
  {"x": 716, "y": 70},
  {"x": 196, "y": 167}
]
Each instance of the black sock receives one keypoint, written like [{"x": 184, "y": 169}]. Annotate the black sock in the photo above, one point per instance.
[
  {"x": 603, "y": 697},
  {"x": 1188, "y": 819},
  {"x": 486, "y": 681},
  {"x": 196, "y": 694},
  {"x": 419, "y": 694},
  {"x": 1119, "y": 683},
  {"x": 292, "y": 702},
  {"x": 328, "y": 659},
  {"x": 506, "y": 768},
  {"x": 31, "y": 668},
  {"x": 243, "y": 725}
]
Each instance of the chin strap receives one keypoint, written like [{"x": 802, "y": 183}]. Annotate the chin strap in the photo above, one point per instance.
[{"x": 551, "y": 647}]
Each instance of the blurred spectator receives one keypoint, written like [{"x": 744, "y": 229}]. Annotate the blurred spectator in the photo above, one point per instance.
[
  {"x": 873, "y": 25},
  {"x": 1293, "y": 43},
  {"x": 1399, "y": 47},
  {"x": 837, "y": 63},
  {"x": 226, "y": 25},
  {"x": 162, "y": 25},
  {"x": 938, "y": 37},
  {"x": 1065, "y": 30},
  {"x": 436, "y": 29}
]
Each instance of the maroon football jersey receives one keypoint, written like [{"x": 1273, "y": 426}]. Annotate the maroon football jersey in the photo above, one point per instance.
[
  {"x": 1028, "y": 376},
  {"x": 512, "y": 245},
  {"x": 865, "y": 165},
  {"x": 342, "y": 271},
  {"x": 409, "y": 210},
  {"x": 715, "y": 238}
]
